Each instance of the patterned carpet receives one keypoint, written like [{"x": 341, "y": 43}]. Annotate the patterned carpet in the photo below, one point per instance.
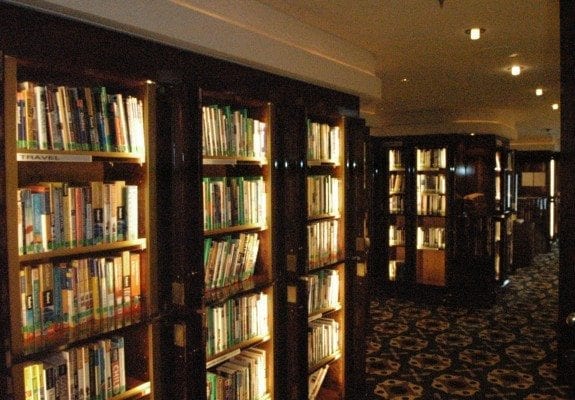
[{"x": 440, "y": 351}]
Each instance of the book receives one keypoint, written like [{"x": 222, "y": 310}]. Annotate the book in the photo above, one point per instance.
[
  {"x": 118, "y": 286},
  {"x": 21, "y": 142},
  {"x": 127, "y": 288},
  {"x": 28, "y": 371},
  {"x": 118, "y": 343},
  {"x": 53, "y": 122},
  {"x": 27, "y": 220},
  {"x": 61, "y": 374},
  {"x": 135, "y": 285},
  {"x": 117, "y": 115},
  {"x": 90, "y": 118},
  {"x": 47, "y": 311},
  {"x": 27, "y": 303},
  {"x": 119, "y": 198},
  {"x": 105, "y": 137},
  {"x": 36, "y": 302},
  {"x": 40, "y": 111},
  {"x": 41, "y": 225},
  {"x": 98, "y": 222},
  {"x": 131, "y": 211},
  {"x": 30, "y": 116},
  {"x": 82, "y": 371},
  {"x": 49, "y": 381}
]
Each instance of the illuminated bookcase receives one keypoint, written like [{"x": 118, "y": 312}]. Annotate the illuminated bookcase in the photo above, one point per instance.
[
  {"x": 441, "y": 201},
  {"x": 81, "y": 250},
  {"x": 324, "y": 247}
]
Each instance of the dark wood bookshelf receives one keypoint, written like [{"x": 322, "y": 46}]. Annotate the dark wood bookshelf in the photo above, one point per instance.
[
  {"x": 167, "y": 346},
  {"x": 445, "y": 204}
]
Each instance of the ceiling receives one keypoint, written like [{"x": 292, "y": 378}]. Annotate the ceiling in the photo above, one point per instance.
[{"x": 433, "y": 75}]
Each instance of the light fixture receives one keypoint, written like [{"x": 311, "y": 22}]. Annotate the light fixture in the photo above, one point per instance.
[
  {"x": 474, "y": 33},
  {"x": 539, "y": 92},
  {"x": 555, "y": 106},
  {"x": 515, "y": 70}
]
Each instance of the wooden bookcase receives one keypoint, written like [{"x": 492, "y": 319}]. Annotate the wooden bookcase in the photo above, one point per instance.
[
  {"x": 321, "y": 171},
  {"x": 170, "y": 347},
  {"x": 237, "y": 173},
  {"x": 60, "y": 267},
  {"x": 445, "y": 204}
]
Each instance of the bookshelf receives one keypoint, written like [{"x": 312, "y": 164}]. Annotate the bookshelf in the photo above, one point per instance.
[
  {"x": 443, "y": 200},
  {"x": 80, "y": 247},
  {"x": 323, "y": 174},
  {"x": 232, "y": 295},
  {"x": 171, "y": 349}
]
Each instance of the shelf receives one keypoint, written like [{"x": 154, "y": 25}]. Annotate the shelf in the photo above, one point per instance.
[
  {"x": 139, "y": 244},
  {"x": 223, "y": 160},
  {"x": 53, "y": 156},
  {"x": 235, "y": 350}
]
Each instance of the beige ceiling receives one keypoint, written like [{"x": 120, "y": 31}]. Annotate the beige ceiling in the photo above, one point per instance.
[{"x": 449, "y": 77}]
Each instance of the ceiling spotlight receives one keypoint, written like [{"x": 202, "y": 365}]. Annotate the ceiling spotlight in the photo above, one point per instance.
[
  {"x": 539, "y": 92},
  {"x": 515, "y": 70},
  {"x": 474, "y": 33},
  {"x": 555, "y": 106}
]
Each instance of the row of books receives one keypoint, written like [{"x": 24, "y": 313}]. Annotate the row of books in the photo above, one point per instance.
[
  {"x": 232, "y": 133},
  {"x": 322, "y": 237},
  {"x": 433, "y": 238},
  {"x": 322, "y": 339},
  {"x": 395, "y": 269},
  {"x": 323, "y": 290},
  {"x": 396, "y": 183},
  {"x": 396, "y": 235},
  {"x": 322, "y": 195},
  {"x": 395, "y": 160},
  {"x": 243, "y": 376},
  {"x": 431, "y": 204},
  {"x": 230, "y": 260},
  {"x": 54, "y": 215},
  {"x": 235, "y": 321},
  {"x": 232, "y": 201},
  {"x": 323, "y": 142},
  {"x": 51, "y": 117},
  {"x": 396, "y": 204},
  {"x": 67, "y": 295},
  {"x": 431, "y": 158},
  {"x": 431, "y": 183},
  {"x": 315, "y": 381},
  {"x": 95, "y": 371}
]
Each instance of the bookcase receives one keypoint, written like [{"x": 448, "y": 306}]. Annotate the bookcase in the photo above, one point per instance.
[
  {"x": 78, "y": 159},
  {"x": 537, "y": 194},
  {"x": 322, "y": 262},
  {"x": 201, "y": 196},
  {"x": 442, "y": 206},
  {"x": 231, "y": 293}
]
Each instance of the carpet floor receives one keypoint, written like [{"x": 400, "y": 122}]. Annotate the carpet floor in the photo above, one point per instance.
[{"x": 440, "y": 351}]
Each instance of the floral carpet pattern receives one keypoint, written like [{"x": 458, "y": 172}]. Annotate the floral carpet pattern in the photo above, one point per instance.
[{"x": 442, "y": 351}]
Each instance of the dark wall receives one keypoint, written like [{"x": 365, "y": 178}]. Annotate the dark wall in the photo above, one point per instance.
[{"x": 66, "y": 43}]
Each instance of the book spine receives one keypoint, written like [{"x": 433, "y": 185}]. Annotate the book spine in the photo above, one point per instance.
[
  {"x": 131, "y": 211},
  {"x": 47, "y": 311}
]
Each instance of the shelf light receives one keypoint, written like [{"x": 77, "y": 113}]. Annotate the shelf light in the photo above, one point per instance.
[
  {"x": 538, "y": 92},
  {"x": 515, "y": 70},
  {"x": 474, "y": 33}
]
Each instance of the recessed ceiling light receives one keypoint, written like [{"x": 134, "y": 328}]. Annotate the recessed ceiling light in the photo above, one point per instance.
[
  {"x": 474, "y": 33},
  {"x": 513, "y": 55},
  {"x": 404, "y": 80},
  {"x": 539, "y": 92},
  {"x": 555, "y": 106},
  {"x": 515, "y": 70}
]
